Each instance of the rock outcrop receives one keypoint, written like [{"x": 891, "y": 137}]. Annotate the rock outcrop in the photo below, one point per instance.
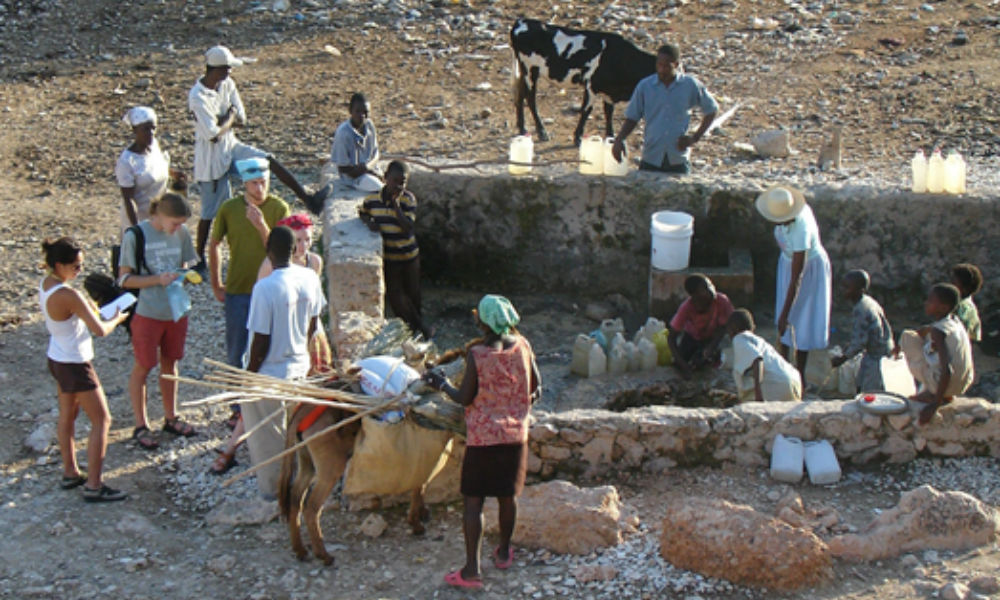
[
  {"x": 735, "y": 542},
  {"x": 924, "y": 519},
  {"x": 563, "y": 518}
]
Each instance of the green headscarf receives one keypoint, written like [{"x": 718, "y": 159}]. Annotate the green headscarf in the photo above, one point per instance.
[{"x": 498, "y": 313}]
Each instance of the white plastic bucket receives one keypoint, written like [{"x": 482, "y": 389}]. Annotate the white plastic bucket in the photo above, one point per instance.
[{"x": 671, "y": 232}]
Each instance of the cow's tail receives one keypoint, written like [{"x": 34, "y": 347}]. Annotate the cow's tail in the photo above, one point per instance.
[{"x": 516, "y": 80}]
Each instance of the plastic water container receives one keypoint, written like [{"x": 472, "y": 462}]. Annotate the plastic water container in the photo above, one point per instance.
[
  {"x": 661, "y": 341},
  {"x": 611, "y": 166},
  {"x": 647, "y": 355},
  {"x": 650, "y": 328},
  {"x": 787, "y": 458},
  {"x": 632, "y": 354},
  {"x": 617, "y": 360},
  {"x": 521, "y": 150},
  {"x": 935, "y": 173},
  {"x": 821, "y": 463},
  {"x": 954, "y": 173},
  {"x": 592, "y": 153},
  {"x": 597, "y": 362},
  {"x": 609, "y": 327},
  {"x": 671, "y": 232},
  {"x": 919, "y": 167},
  {"x": 896, "y": 376},
  {"x": 581, "y": 354},
  {"x": 617, "y": 341}
]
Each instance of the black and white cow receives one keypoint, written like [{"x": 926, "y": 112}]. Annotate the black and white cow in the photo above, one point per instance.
[{"x": 605, "y": 64}]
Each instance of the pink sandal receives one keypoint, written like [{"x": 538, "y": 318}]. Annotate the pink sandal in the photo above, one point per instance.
[
  {"x": 455, "y": 579},
  {"x": 503, "y": 564}
]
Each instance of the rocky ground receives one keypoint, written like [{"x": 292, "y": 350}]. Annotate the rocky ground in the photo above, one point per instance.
[{"x": 896, "y": 76}]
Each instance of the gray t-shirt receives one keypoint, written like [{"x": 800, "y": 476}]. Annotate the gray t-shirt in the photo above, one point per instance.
[
  {"x": 281, "y": 306},
  {"x": 164, "y": 253},
  {"x": 351, "y": 147}
]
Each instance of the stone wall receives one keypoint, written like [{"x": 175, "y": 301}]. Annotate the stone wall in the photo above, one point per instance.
[
  {"x": 592, "y": 443},
  {"x": 352, "y": 256},
  {"x": 567, "y": 232}
]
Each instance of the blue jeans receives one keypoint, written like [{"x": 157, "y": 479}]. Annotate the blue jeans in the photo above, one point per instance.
[
  {"x": 237, "y": 309},
  {"x": 682, "y": 169}
]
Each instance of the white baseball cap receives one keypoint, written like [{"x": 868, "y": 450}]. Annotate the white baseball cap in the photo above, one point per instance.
[{"x": 220, "y": 56}]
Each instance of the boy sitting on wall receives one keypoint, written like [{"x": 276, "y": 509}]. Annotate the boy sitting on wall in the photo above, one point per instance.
[{"x": 938, "y": 355}]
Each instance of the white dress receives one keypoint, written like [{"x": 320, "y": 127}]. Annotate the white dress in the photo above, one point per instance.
[{"x": 809, "y": 317}]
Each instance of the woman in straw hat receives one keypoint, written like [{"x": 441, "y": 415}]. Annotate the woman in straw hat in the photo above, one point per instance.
[
  {"x": 501, "y": 381},
  {"x": 804, "y": 290}
]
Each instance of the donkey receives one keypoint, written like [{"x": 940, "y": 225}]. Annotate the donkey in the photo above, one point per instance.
[{"x": 304, "y": 488}]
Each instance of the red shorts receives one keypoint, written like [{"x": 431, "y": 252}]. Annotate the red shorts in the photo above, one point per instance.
[{"x": 152, "y": 335}]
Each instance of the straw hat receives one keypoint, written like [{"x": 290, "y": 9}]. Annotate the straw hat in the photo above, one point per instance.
[{"x": 780, "y": 203}]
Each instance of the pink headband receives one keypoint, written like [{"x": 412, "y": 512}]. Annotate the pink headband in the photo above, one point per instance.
[{"x": 297, "y": 222}]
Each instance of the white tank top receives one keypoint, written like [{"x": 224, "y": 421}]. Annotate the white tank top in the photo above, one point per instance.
[{"x": 69, "y": 340}]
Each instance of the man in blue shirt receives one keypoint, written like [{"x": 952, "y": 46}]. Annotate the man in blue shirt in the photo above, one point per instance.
[{"x": 665, "y": 100}]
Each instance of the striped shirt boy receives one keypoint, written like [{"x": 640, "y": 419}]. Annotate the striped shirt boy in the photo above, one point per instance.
[{"x": 397, "y": 245}]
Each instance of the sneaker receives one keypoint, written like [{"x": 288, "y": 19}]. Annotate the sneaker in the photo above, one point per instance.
[
  {"x": 103, "y": 494},
  {"x": 201, "y": 268}
]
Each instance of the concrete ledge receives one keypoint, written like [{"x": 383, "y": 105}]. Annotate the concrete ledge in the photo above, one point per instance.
[
  {"x": 353, "y": 257},
  {"x": 559, "y": 231},
  {"x": 593, "y": 443}
]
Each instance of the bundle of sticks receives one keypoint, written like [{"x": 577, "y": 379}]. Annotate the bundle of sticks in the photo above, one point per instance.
[{"x": 241, "y": 386}]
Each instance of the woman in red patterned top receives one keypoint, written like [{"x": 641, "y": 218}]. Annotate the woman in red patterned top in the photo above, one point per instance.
[{"x": 500, "y": 383}]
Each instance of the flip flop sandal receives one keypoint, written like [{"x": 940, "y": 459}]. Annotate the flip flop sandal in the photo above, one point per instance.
[
  {"x": 103, "y": 494},
  {"x": 69, "y": 483},
  {"x": 455, "y": 579},
  {"x": 144, "y": 438},
  {"x": 176, "y": 426},
  {"x": 223, "y": 463},
  {"x": 503, "y": 564}
]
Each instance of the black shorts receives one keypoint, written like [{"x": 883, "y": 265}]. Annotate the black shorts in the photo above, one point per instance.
[
  {"x": 494, "y": 471},
  {"x": 74, "y": 377}
]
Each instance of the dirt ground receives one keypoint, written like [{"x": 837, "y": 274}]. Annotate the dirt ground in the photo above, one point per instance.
[{"x": 896, "y": 76}]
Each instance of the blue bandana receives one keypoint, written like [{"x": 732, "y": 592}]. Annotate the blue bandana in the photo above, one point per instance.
[{"x": 253, "y": 168}]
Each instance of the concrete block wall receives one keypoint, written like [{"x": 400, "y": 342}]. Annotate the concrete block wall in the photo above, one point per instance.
[
  {"x": 561, "y": 231},
  {"x": 595, "y": 443},
  {"x": 353, "y": 259}
]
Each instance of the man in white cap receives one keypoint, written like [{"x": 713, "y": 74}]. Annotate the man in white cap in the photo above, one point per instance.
[
  {"x": 244, "y": 222},
  {"x": 216, "y": 106}
]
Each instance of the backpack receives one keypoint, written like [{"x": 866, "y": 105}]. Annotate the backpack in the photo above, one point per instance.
[{"x": 104, "y": 288}]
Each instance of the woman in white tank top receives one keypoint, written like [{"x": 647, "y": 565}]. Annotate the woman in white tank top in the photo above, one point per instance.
[{"x": 71, "y": 319}]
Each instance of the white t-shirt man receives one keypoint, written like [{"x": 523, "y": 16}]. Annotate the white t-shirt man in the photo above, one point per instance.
[
  {"x": 780, "y": 381},
  {"x": 282, "y": 305}
]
